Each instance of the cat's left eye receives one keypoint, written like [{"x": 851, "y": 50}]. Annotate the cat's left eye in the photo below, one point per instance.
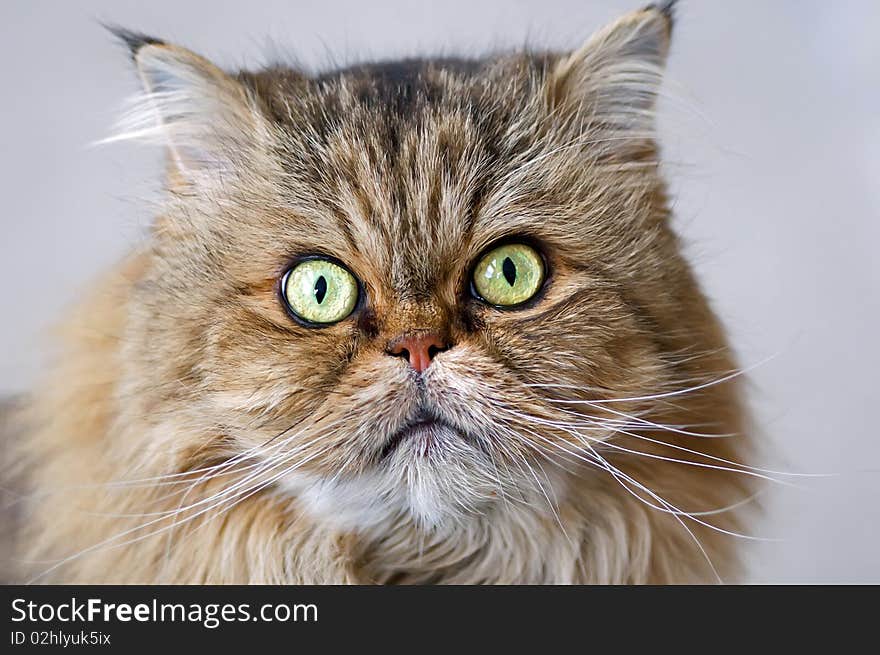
[
  {"x": 508, "y": 275},
  {"x": 319, "y": 291}
]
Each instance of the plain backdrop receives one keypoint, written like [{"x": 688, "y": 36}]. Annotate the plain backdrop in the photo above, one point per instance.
[{"x": 770, "y": 125}]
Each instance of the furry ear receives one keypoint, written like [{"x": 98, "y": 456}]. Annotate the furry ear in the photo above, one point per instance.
[
  {"x": 611, "y": 82},
  {"x": 206, "y": 118}
]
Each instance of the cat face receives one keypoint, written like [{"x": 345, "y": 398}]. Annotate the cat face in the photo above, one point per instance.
[{"x": 392, "y": 288}]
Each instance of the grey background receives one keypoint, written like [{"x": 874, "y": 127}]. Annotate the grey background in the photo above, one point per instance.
[{"x": 770, "y": 122}]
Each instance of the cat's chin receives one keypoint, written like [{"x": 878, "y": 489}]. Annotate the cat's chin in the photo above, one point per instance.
[
  {"x": 422, "y": 439},
  {"x": 430, "y": 474}
]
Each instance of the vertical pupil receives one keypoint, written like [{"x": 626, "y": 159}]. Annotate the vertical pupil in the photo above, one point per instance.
[
  {"x": 320, "y": 289},
  {"x": 509, "y": 270}
]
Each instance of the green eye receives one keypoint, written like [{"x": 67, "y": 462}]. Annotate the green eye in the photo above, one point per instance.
[
  {"x": 509, "y": 275},
  {"x": 319, "y": 291}
]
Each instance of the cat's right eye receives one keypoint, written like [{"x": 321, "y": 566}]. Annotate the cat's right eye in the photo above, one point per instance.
[{"x": 319, "y": 291}]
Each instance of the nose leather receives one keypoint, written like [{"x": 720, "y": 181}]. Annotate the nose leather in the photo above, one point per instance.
[{"x": 418, "y": 349}]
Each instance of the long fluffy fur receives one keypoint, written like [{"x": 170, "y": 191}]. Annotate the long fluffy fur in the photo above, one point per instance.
[{"x": 194, "y": 433}]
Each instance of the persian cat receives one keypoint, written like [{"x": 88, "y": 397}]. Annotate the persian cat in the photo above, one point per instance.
[{"x": 418, "y": 321}]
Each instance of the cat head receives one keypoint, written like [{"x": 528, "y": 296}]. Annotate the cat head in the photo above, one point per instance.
[{"x": 392, "y": 287}]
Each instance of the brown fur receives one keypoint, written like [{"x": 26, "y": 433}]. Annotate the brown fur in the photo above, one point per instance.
[{"x": 183, "y": 358}]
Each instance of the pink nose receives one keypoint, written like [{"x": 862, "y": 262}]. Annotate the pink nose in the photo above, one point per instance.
[{"x": 418, "y": 349}]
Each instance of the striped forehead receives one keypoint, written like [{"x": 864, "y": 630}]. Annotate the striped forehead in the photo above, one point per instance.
[
  {"x": 410, "y": 213},
  {"x": 409, "y": 217},
  {"x": 403, "y": 156}
]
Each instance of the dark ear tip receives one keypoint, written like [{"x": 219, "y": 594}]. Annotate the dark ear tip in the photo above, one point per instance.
[
  {"x": 667, "y": 9},
  {"x": 134, "y": 41}
]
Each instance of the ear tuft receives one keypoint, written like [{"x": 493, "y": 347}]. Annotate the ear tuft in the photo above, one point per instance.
[
  {"x": 208, "y": 120},
  {"x": 610, "y": 84}
]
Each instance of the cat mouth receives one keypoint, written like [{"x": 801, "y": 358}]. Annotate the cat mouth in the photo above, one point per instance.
[{"x": 425, "y": 428}]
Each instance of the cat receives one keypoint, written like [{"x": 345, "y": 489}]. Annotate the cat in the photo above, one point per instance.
[{"x": 418, "y": 321}]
